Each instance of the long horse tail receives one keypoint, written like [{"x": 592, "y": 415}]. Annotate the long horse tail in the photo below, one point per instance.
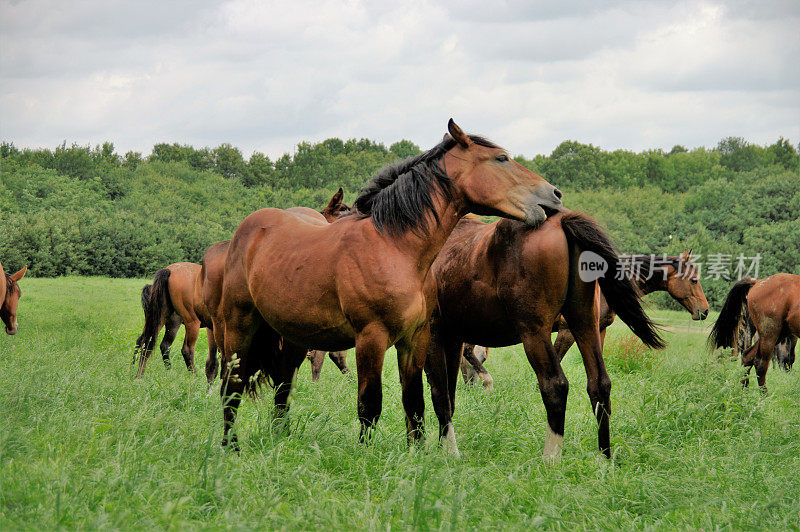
[
  {"x": 157, "y": 306},
  {"x": 725, "y": 332},
  {"x": 623, "y": 296}
]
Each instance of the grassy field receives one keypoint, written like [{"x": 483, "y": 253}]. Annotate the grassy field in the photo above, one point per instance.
[{"x": 84, "y": 446}]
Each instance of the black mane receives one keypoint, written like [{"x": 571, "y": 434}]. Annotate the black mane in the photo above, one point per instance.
[
  {"x": 11, "y": 285},
  {"x": 645, "y": 262},
  {"x": 399, "y": 197}
]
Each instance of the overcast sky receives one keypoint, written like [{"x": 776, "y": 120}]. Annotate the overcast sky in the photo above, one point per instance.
[{"x": 266, "y": 75}]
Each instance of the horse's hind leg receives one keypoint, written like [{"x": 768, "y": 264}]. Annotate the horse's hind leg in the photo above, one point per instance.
[
  {"x": 240, "y": 326},
  {"x": 472, "y": 366},
  {"x": 765, "y": 350},
  {"x": 340, "y": 359},
  {"x": 316, "y": 358},
  {"x": 444, "y": 358},
  {"x": 212, "y": 362},
  {"x": 411, "y": 361},
  {"x": 581, "y": 314},
  {"x": 170, "y": 332},
  {"x": 553, "y": 386},
  {"x": 564, "y": 341},
  {"x": 192, "y": 332}
]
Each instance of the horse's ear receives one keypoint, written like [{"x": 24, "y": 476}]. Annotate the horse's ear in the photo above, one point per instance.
[
  {"x": 458, "y": 134},
  {"x": 687, "y": 255},
  {"x": 336, "y": 200},
  {"x": 20, "y": 274}
]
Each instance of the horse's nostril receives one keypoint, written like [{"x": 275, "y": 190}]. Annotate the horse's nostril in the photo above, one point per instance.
[{"x": 557, "y": 193}]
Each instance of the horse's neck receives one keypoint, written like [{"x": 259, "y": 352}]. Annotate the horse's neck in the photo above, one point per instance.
[
  {"x": 423, "y": 248},
  {"x": 656, "y": 283}
]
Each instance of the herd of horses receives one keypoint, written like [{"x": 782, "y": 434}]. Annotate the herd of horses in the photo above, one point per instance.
[{"x": 405, "y": 267}]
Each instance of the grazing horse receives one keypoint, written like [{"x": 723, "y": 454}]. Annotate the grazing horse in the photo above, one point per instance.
[
  {"x": 169, "y": 303},
  {"x": 10, "y": 293},
  {"x": 361, "y": 281},
  {"x": 503, "y": 283},
  {"x": 783, "y": 356},
  {"x": 773, "y": 304},
  {"x": 208, "y": 287},
  {"x": 678, "y": 276}
]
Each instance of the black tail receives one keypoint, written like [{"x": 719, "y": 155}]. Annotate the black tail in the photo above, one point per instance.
[
  {"x": 726, "y": 331},
  {"x": 146, "y": 289},
  {"x": 156, "y": 308},
  {"x": 623, "y": 296}
]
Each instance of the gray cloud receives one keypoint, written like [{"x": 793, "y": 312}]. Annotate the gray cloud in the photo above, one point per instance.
[{"x": 267, "y": 75}]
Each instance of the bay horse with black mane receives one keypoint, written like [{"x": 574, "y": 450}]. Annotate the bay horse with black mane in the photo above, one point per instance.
[
  {"x": 362, "y": 280},
  {"x": 169, "y": 303},
  {"x": 209, "y": 282},
  {"x": 773, "y": 304},
  {"x": 503, "y": 283},
  {"x": 10, "y": 293}
]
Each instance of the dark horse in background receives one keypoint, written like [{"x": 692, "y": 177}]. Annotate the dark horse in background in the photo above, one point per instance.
[
  {"x": 362, "y": 280},
  {"x": 783, "y": 356},
  {"x": 503, "y": 283},
  {"x": 10, "y": 293},
  {"x": 773, "y": 305}
]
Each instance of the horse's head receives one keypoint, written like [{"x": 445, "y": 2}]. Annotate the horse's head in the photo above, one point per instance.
[
  {"x": 336, "y": 207},
  {"x": 490, "y": 182},
  {"x": 8, "y": 307},
  {"x": 683, "y": 284}
]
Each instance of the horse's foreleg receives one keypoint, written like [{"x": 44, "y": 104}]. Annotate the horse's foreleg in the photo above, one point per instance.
[
  {"x": 553, "y": 386},
  {"x": 371, "y": 346},
  {"x": 411, "y": 354},
  {"x": 192, "y": 332}
]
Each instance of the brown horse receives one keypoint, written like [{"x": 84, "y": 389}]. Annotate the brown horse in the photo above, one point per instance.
[
  {"x": 678, "y": 276},
  {"x": 504, "y": 283},
  {"x": 783, "y": 356},
  {"x": 208, "y": 287},
  {"x": 773, "y": 304},
  {"x": 362, "y": 280},
  {"x": 10, "y": 293},
  {"x": 169, "y": 303}
]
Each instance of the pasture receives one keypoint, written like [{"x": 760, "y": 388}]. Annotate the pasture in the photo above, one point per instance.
[{"x": 83, "y": 445}]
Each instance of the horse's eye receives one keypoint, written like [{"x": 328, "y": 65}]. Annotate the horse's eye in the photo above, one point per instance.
[
  {"x": 694, "y": 281},
  {"x": 501, "y": 158}
]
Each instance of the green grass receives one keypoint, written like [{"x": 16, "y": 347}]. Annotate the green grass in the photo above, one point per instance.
[{"x": 84, "y": 446}]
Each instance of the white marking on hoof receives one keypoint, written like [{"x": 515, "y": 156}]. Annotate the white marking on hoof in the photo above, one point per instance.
[
  {"x": 552, "y": 446},
  {"x": 449, "y": 442},
  {"x": 488, "y": 382}
]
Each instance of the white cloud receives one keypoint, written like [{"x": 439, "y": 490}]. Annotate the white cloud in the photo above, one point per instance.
[{"x": 266, "y": 75}]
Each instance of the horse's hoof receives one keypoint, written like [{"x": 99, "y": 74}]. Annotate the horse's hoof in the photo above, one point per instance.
[{"x": 230, "y": 445}]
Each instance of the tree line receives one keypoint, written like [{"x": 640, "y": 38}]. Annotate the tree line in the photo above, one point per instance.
[{"x": 92, "y": 211}]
